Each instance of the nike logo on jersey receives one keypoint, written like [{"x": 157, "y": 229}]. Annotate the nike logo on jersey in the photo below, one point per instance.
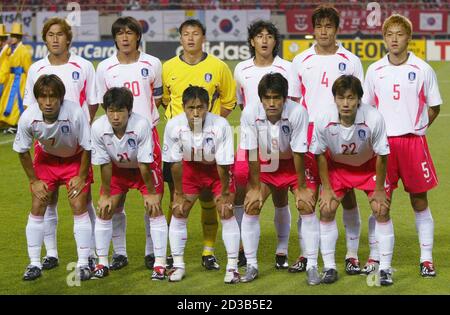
[
  {"x": 334, "y": 134},
  {"x": 174, "y": 78},
  {"x": 246, "y": 78}
]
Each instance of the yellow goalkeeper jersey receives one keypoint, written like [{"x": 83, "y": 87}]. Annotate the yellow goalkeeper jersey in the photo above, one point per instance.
[{"x": 211, "y": 73}]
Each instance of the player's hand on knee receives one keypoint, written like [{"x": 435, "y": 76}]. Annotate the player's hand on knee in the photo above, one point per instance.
[
  {"x": 327, "y": 200},
  {"x": 180, "y": 205},
  {"x": 253, "y": 200},
  {"x": 40, "y": 190},
  {"x": 304, "y": 199},
  {"x": 104, "y": 208},
  {"x": 224, "y": 204},
  {"x": 379, "y": 202},
  {"x": 76, "y": 186},
  {"x": 152, "y": 204}
]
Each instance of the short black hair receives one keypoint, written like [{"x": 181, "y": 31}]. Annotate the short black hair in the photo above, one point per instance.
[
  {"x": 124, "y": 22},
  {"x": 118, "y": 98},
  {"x": 51, "y": 81},
  {"x": 345, "y": 83},
  {"x": 195, "y": 92},
  {"x": 256, "y": 28},
  {"x": 325, "y": 11},
  {"x": 192, "y": 22},
  {"x": 274, "y": 82}
]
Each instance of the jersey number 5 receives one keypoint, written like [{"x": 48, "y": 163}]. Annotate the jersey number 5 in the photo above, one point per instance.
[
  {"x": 396, "y": 92},
  {"x": 133, "y": 87}
]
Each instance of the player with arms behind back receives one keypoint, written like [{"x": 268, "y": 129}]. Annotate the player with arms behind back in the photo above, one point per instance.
[{"x": 405, "y": 90}]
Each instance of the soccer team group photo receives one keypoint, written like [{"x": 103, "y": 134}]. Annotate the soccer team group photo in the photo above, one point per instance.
[{"x": 268, "y": 171}]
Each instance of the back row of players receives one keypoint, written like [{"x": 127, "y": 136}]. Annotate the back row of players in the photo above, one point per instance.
[{"x": 334, "y": 140}]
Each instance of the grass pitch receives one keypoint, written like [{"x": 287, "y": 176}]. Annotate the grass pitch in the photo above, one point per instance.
[{"x": 135, "y": 278}]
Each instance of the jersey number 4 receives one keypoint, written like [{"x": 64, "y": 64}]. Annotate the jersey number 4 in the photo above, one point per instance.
[
  {"x": 324, "y": 79},
  {"x": 133, "y": 87}
]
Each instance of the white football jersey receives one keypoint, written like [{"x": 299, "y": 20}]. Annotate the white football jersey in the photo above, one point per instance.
[
  {"x": 67, "y": 136},
  {"x": 248, "y": 75},
  {"x": 214, "y": 144},
  {"x": 287, "y": 135},
  {"x": 353, "y": 145},
  {"x": 136, "y": 145},
  {"x": 78, "y": 76},
  {"x": 313, "y": 76},
  {"x": 402, "y": 94},
  {"x": 142, "y": 78}
]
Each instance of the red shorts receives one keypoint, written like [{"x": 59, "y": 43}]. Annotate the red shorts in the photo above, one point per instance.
[
  {"x": 124, "y": 179},
  {"x": 56, "y": 171},
  {"x": 410, "y": 160},
  {"x": 311, "y": 168},
  {"x": 240, "y": 168},
  {"x": 199, "y": 176},
  {"x": 344, "y": 178},
  {"x": 284, "y": 177}
]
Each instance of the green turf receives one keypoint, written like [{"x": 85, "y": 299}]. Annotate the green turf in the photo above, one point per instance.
[{"x": 135, "y": 279}]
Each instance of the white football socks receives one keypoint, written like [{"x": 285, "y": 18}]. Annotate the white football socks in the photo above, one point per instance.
[
  {"x": 310, "y": 238},
  {"x": 231, "y": 238},
  {"x": 250, "y": 233},
  {"x": 82, "y": 230},
  {"x": 282, "y": 220},
  {"x": 328, "y": 238},
  {"x": 425, "y": 229},
  {"x": 103, "y": 235},
  {"x": 159, "y": 231},
  {"x": 35, "y": 237},
  {"x": 352, "y": 223},
  {"x": 119, "y": 240},
  {"x": 384, "y": 233},
  {"x": 178, "y": 238},
  {"x": 50, "y": 228}
]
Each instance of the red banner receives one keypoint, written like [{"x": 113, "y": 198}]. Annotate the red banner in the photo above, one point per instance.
[{"x": 354, "y": 20}]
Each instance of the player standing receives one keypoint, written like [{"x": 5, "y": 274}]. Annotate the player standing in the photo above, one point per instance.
[
  {"x": 123, "y": 147},
  {"x": 199, "y": 147},
  {"x": 141, "y": 74},
  {"x": 353, "y": 136},
  {"x": 194, "y": 67},
  {"x": 264, "y": 43},
  {"x": 405, "y": 90},
  {"x": 277, "y": 129},
  {"x": 78, "y": 76},
  {"x": 62, "y": 155},
  {"x": 313, "y": 73}
]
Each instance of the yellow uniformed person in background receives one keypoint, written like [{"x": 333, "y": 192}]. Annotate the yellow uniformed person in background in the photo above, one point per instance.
[
  {"x": 19, "y": 61},
  {"x": 3, "y": 57}
]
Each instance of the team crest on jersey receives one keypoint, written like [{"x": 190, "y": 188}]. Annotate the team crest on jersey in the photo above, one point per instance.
[
  {"x": 208, "y": 143},
  {"x": 132, "y": 144},
  {"x": 144, "y": 72},
  {"x": 208, "y": 77},
  {"x": 286, "y": 130},
  {"x": 65, "y": 129},
  {"x": 362, "y": 134},
  {"x": 342, "y": 66},
  {"x": 75, "y": 75},
  {"x": 411, "y": 76}
]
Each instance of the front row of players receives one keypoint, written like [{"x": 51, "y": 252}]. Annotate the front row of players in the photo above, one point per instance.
[{"x": 350, "y": 145}]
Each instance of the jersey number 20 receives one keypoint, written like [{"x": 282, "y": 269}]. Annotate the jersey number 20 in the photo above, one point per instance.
[{"x": 133, "y": 87}]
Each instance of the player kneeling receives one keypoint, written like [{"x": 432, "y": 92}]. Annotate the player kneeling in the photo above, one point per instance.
[
  {"x": 123, "y": 147},
  {"x": 353, "y": 137},
  {"x": 62, "y": 155},
  {"x": 278, "y": 130},
  {"x": 200, "y": 146}
]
